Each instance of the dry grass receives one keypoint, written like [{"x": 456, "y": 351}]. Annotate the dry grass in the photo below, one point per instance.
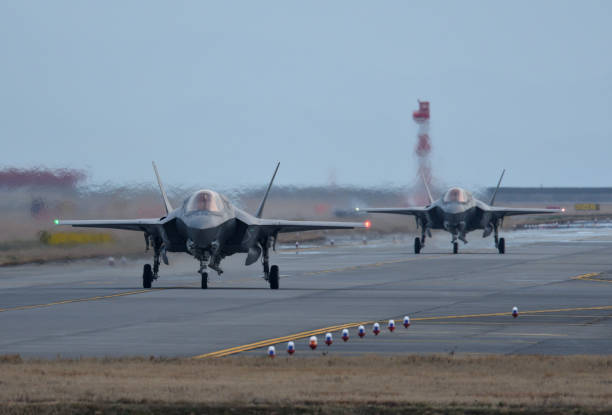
[{"x": 485, "y": 382}]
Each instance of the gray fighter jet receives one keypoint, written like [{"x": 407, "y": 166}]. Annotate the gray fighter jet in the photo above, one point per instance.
[
  {"x": 458, "y": 212},
  {"x": 208, "y": 227}
]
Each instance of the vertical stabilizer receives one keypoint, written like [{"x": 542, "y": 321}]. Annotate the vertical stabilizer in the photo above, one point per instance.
[
  {"x": 431, "y": 200},
  {"x": 263, "y": 202},
  {"x": 497, "y": 188},
  {"x": 167, "y": 204}
]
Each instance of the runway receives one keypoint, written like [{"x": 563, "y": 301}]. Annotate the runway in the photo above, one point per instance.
[{"x": 457, "y": 303}]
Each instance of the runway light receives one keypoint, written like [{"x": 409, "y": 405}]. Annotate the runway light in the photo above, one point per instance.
[
  {"x": 391, "y": 325},
  {"x": 56, "y": 221},
  {"x": 271, "y": 352},
  {"x": 367, "y": 224},
  {"x": 345, "y": 335},
  {"x": 329, "y": 339},
  {"x": 290, "y": 348},
  {"x": 376, "y": 329},
  {"x": 406, "y": 322},
  {"x": 313, "y": 342},
  {"x": 361, "y": 331},
  {"x": 515, "y": 312}
]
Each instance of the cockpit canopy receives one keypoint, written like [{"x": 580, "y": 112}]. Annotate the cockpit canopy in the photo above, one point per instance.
[
  {"x": 457, "y": 194},
  {"x": 204, "y": 201}
]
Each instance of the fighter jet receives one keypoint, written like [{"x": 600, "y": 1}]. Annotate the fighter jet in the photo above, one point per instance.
[
  {"x": 208, "y": 227},
  {"x": 458, "y": 212}
]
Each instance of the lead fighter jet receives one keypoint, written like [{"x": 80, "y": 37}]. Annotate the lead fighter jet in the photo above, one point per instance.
[
  {"x": 458, "y": 212},
  {"x": 208, "y": 227}
]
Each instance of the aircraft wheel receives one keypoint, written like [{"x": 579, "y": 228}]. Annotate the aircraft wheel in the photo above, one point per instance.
[
  {"x": 455, "y": 247},
  {"x": 501, "y": 246},
  {"x": 273, "y": 278},
  {"x": 147, "y": 276},
  {"x": 204, "y": 280},
  {"x": 417, "y": 245}
]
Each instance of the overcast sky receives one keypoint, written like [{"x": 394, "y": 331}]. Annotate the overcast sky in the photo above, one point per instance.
[{"x": 217, "y": 92}]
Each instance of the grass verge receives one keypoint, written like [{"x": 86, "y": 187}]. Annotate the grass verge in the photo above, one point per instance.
[{"x": 245, "y": 384}]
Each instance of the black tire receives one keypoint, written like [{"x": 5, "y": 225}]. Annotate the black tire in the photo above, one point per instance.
[
  {"x": 147, "y": 276},
  {"x": 455, "y": 247},
  {"x": 205, "y": 280},
  {"x": 273, "y": 277},
  {"x": 501, "y": 246},
  {"x": 417, "y": 245}
]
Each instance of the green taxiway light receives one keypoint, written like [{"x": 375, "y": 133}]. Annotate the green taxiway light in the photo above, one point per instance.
[{"x": 56, "y": 221}]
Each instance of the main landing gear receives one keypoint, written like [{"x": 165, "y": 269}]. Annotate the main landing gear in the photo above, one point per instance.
[
  {"x": 500, "y": 243},
  {"x": 147, "y": 276},
  {"x": 271, "y": 273},
  {"x": 419, "y": 243},
  {"x": 150, "y": 274},
  {"x": 501, "y": 246},
  {"x": 455, "y": 247}
]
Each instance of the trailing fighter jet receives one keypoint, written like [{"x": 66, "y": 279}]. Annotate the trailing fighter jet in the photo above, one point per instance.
[
  {"x": 208, "y": 227},
  {"x": 458, "y": 212}
]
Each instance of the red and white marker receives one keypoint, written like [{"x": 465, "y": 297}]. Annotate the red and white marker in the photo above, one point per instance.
[
  {"x": 345, "y": 335},
  {"x": 406, "y": 322},
  {"x": 328, "y": 339},
  {"x": 361, "y": 331},
  {"x": 290, "y": 348},
  {"x": 515, "y": 312},
  {"x": 376, "y": 329},
  {"x": 313, "y": 342},
  {"x": 271, "y": 352},
  {"x": 391, "y": 325}
]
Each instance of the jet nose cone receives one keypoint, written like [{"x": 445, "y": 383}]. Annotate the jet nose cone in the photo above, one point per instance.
[{"x": 454, "y": 208}]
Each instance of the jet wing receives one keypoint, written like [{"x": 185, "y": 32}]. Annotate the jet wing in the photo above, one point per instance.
[
  {"x": 144, "y": 225},
  {"x": 415, "y": 211},
  {"x": 281, "y": 226},
  {"x": 501, "y": 212}
]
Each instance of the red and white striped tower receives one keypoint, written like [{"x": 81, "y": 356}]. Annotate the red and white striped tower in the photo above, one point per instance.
[{"x": 422, "y": 150}]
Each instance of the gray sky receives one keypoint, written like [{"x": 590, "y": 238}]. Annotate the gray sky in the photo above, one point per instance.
[{"x": 216, "y": 92}]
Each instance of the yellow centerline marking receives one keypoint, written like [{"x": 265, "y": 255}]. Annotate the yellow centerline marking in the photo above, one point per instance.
[
  {"x": 304, "y": 334},
  {"x": 590, "y": 277},
  {"x": 79, "y": 300}
]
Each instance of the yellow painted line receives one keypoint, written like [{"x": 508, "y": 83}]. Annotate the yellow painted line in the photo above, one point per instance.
[
  {"x": 79, "y": 300},
  {"x": 304, "y": 334},
  {"x": 269, "y": 342},
  {"x": 591, "y": 277}
]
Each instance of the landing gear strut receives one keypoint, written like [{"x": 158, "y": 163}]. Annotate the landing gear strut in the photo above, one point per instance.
[
  {"x": 151, "y": 274},
  {"x": 271, "y": 273},
  {"x": 500, "y": 243}
]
